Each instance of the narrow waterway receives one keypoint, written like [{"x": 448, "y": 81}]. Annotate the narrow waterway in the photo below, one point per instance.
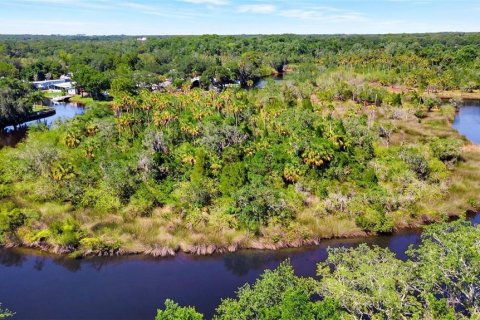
[
  {"x": 467, "y": 121},
  {"x": 40, "y": 286},
  {"x": 63, "y": 110}
]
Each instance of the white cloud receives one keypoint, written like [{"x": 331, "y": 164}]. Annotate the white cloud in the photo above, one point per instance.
[
  {"x": 93, "y": 5},
  {"x": 257, "y": 8},
  {"x": 153, "y": 10},
  {"x": 211, "y": 2},
  {"x": 320, "y": 13}
]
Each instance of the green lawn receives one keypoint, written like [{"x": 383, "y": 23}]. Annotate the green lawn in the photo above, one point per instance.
[{"x": 88, "y": 100}]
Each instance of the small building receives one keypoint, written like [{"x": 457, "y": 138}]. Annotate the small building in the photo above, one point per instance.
[
  {"x": 63, "y": 83},
  {"x": 69, "y": 87},
  {"x": 47, "y": 84}
]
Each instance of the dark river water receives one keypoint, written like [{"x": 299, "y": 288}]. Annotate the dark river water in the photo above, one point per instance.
[
  {"x": 63, "y": 110},
  {"x": 40, "y": 286}
]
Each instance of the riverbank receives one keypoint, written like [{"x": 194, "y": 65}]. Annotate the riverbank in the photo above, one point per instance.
[
  {"x": 166, "y": 231},
  {"x": 32, "y": 278},
  {"x": 253, "y": 244},
  {"x": 39, "y": 112},
  {"x": 457, "y": 94},
  {"x": 86, "y": 101}
]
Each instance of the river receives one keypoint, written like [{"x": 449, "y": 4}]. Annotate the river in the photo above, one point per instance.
[
  {"x": 63, "y": 110},
  {"x": 43, "y": 286},
  {"x": 467, "y": 121}
]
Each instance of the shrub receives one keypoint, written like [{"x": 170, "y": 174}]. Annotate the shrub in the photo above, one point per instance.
[
  {"x": 98, "y": 245},
  {"x": 259, "y": 203},
  {"x": 11, "y": 220},
  {"x": 447, "y": 150},
  {"x": 5, "y": 190},
  {"x": 420, "y": 113},
  {"x": 438, "y": 170},
  {"x": 67, "y": 233},
  {"x": 232, "y": 178},
  {"x": 432, "y": 102},
  {"x": 373, "y": 220},
  {"x": 175, "y": 312},
  {"x": 142, "y": 202},
  {"x": 278, "y": 294},
  {"x": 416, "y": 162}
]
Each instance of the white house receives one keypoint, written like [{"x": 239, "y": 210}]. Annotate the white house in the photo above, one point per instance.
[
  {"x": 69, "y": 87},
  {"x": 63, "y": 83}
]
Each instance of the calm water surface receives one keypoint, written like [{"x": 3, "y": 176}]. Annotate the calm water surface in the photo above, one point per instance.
[
  {"x": 40, "y": 286},
  {"x": 63, "y": 110},
  {"x": 467, "y": 121},
  {"x": 263, "y": 82}
]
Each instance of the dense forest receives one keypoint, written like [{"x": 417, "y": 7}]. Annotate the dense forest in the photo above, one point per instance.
[
  {"x": 180, "y": 150},
  {"x": 441, "y": 61}
]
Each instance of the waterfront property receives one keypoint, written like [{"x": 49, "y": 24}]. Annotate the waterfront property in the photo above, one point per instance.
[{"x": 64, "y": 83}]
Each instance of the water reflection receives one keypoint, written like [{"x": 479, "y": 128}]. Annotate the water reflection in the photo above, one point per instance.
[
  {"x": 11, "y": 258},
  {"x": 11, "y": 136},
  {"x": 263, "y": 82},
  {"x": 467, "y": 121},
  {"x": 132, "y": 287}
]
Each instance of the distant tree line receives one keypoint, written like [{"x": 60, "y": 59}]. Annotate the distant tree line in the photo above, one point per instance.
[{"x": 437, "y": 61}]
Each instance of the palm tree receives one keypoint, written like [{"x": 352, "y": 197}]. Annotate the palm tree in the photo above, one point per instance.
[
  {"x": 62, "y": 171},
  {"x": 91, "y": 129},
  {"x": 72, "y": 140}
]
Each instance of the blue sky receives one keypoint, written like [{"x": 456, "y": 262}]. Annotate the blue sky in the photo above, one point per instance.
[{"x": 146, "y": 17}]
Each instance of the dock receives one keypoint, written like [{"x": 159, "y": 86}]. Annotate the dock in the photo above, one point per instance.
[{"x": 62, "y": 98}]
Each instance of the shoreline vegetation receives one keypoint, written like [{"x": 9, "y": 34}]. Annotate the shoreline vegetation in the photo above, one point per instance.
[
  {"x": 190, "y": 156},
  {"x": 38, "y": 112},
  {"x": 464, "y": 174}
]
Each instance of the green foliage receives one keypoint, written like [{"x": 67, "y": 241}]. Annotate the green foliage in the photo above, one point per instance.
[
  {"x": 334, "y": 140},
  {"x": 5, "y": 313},
  {"x": 97, "y": 245},
  {"x": 259, "y": 203},
  {"x": 93, "y": 81},
  {"x": 368, "y": 282},
  {"x": 16, "y": 101},
  {"x": 439, "y": 281},
  {"x": 416, "y": 162},
  {"x": 448, "y": 264},
  {"x": 67, "y": 233},
  {"x": 447, "y": 150},
  {"x": 232, "y": 178},
  {"x": 175, "y": 312},
  {"x": 278, "y": 294},
  {"x": 374, "y": 220},
  {"x": 11, "y": 220}
]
